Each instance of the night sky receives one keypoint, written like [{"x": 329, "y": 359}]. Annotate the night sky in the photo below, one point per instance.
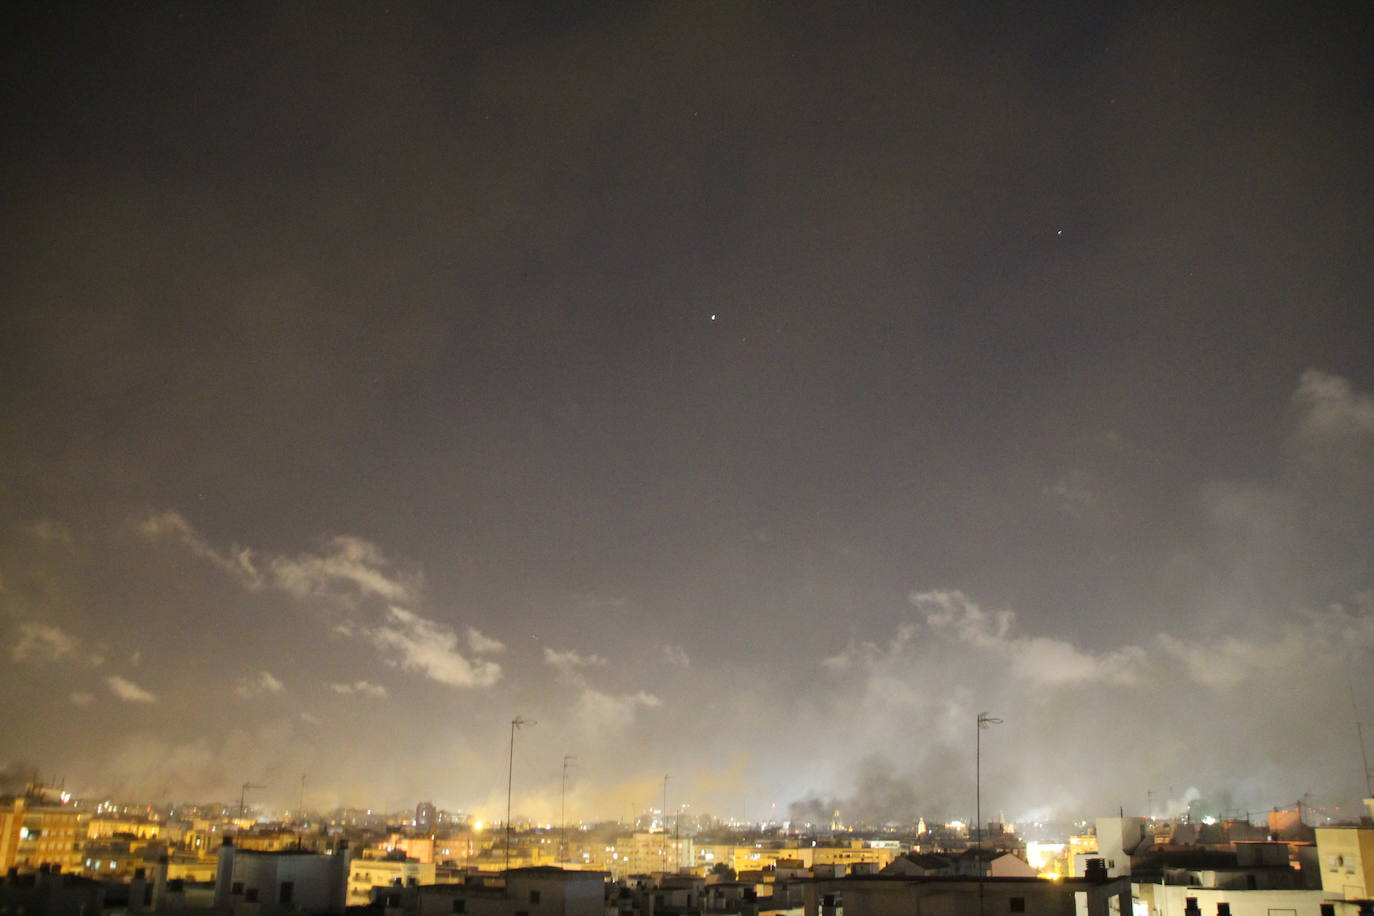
[{"x": 748, "y": 392}]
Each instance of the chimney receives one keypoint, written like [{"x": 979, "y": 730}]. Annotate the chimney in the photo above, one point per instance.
[
  {"x": 176, "y": 894},
  {"x": 160, "y": 883},
  {"x": 138, "y": 888},
  {"x": 224, "y": 874},
  {"x": 338, "y": 893}
]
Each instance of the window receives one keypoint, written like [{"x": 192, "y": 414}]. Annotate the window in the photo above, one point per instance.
[
  {"x": 460, "y": 906},
  {"x": 1018, "y": 904},
  {"x": 250, "y": 895},
  {"x": 236, "y": 887},
  {"x": 1328, "y": 909},
  {"x": 534, "y": 896},
  {"x": 286, "y": 891}
]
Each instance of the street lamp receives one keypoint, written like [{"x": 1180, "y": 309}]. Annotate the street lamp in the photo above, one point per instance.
[
  {"x": 517, "y": 722},
  {"x": 984, "y": 721}
]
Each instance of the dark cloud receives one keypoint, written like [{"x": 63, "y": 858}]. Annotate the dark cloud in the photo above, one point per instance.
[{"x": 404, "y": 350}]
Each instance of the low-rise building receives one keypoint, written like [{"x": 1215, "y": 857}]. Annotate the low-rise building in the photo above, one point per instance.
[
  {"x": 50, "y": 835},
  {"x": 388, "y": 871},
  {"x": 1180, "y": 900},
  {"x": 891, "y": 895},
  {"x": 47, "y": 892},
  {"x": 98, "y": 828},
  {"x": 1346, "y": 858},
  {"x": 11, "y": 823},
  {"x": 287, "y": 881},
  {"x": 541, "y": 891}
]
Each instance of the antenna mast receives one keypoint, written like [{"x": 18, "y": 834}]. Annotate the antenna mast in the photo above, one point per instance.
[
  {"x": 243, "y": 796},
  {"x": 517, "y": 722},
  {"x": 568, "y": 760}
]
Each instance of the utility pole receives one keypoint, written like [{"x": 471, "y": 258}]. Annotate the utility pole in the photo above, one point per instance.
[
  {"x": 984, "y": 721},
  {"x": 517, "y": 722},
  {"x": 563, "y": 805},
  {"x": 243, "y": 795},
  {"x": 1364, "y": 756}
]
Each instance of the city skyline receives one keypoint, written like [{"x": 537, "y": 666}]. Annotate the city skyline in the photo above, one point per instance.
[{"x": 751, "y": 394}]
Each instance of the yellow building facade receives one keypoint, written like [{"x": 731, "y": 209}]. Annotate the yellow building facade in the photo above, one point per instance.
[
  {"x": 99, "y": 828},
  {"x": 365, "y": 874},
  {"x": 1346, "y": 857},
  {"x": 50, "y": 836},
  {"x": 11, "y": 823}
]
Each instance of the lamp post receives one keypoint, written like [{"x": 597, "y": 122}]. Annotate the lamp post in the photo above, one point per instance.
[
  {"x": 984, "y": 721},
  {"x": 517, "y": 722}
]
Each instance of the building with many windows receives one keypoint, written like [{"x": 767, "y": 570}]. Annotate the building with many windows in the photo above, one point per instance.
[{"x": 50, "y": 835}]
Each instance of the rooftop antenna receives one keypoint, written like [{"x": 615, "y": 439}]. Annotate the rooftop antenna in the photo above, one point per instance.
[
  {"x": 665, "y": 821},
  {"x": 243, "y": 796},
  {"x": 517, "y": 722},
  {"x": 568, "y": 760},
  {"x": 984, "y": 721},
  {"x": 1359, "y": 733}
]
